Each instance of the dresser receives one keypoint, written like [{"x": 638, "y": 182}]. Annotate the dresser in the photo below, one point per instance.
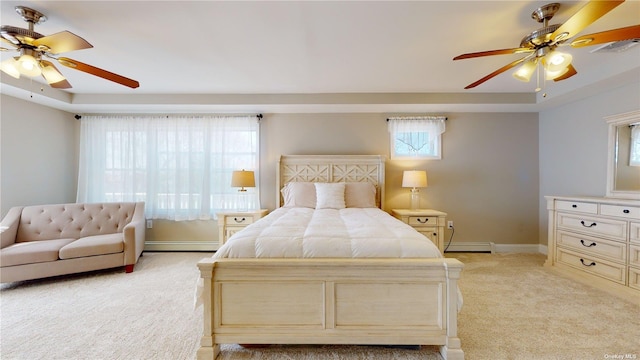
[
  {"x": 230, "y": 223},
  {"x": 597, "y": 239},
  {"x": 428, "y": 222}
]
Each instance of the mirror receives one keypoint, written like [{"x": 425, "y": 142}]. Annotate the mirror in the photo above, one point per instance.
[{"x": 623, "y": 175}]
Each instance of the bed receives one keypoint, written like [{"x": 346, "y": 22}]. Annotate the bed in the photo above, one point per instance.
[{"x": 300, "y": 296}]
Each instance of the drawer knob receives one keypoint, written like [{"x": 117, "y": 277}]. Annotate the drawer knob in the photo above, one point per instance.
[
  {"x": 585, "y": 264},
  {"x": 574, "y": 206},
  {"x": 626, "y": 211},
  {"x": 585, "y": 225},
  {"x": 239, "y": 220},
  {"x": 423, "y": 221},
  {"x": 590, "y": 245}
]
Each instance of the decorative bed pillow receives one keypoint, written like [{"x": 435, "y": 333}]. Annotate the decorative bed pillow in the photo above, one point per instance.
[
  {"x": 330, "y": 195},
  {"x": 360, "y": 195},
  {"x": 299, "y": 194}
]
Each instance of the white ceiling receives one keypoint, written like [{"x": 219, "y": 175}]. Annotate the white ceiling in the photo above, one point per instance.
[{"x": 190, "y": 55}]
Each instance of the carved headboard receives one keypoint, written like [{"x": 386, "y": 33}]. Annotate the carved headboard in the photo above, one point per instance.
[{"x": 331, "y": 168}]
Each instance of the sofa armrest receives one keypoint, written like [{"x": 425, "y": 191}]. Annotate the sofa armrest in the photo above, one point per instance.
[
  {"x": 9, "y": 226},
  {"x": 134, "y": 236}
]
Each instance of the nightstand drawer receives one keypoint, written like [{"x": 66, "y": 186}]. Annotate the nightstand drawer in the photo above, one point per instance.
[
  {"x": 612, "y": 271},
  {"x": 593, "y": 225},
  {"x": 613, "y": 250},
  {"x": 576, "y": 206},
  {"x": 423, "y": 220},
  {"x": 238, "y": 220}
]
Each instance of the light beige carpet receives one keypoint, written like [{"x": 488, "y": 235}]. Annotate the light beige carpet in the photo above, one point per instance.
[{"x": 514, "y": 309}]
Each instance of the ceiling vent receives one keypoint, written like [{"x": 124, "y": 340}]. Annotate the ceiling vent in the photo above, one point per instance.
[{"x": 617, "y": 46}]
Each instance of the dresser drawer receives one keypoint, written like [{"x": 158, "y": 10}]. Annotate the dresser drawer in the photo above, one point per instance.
[
  {"x": 423, "y": 220},
  {"x": 634, "y": 278},
  {"x": 577, "y": 206},
  {"x": 634, "y": 255},
  {"x": 593, "y": 225},
  {"x": 630, "y": 212},
  {"x": 606, "y": 269},
  {"x": 238, "y": 220},
  {"x": 634, "y": 233},
  {"x": 612, "y": 250}
]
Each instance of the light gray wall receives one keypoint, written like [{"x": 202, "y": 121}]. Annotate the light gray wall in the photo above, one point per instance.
[
  {"x": 38, "y": 151},
  {"x": 573, "y": 146},
  {"x": 487, "y": 179}
]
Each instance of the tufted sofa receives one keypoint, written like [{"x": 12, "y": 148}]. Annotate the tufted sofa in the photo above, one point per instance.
[{"x": 49, "y": 240}]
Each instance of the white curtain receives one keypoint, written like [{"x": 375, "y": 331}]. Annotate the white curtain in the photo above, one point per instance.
[
  {"x": 634, "y": 158},
  {"x": 179, "y": 165},
  {"x": 416, "y": 136}
]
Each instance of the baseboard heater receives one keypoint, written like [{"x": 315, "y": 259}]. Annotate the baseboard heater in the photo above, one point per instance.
[{"x": 487, "y": 247}]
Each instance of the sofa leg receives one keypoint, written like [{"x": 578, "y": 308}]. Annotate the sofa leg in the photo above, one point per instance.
[{"x": 128, "y": 268}]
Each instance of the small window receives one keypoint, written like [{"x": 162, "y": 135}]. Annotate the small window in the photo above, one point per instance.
[{"x": 416, "y": 137}]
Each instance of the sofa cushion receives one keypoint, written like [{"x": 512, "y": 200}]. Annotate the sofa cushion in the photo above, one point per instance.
[
  {"x": 43, "y": 222},
  {"x": 93, "y": 245},
  {"x": 32, "y": 252}
]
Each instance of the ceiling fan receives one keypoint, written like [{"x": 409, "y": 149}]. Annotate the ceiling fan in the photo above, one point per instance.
[
  {"x": 541, "y": 44},
  {"x": 35, "y": 48}
]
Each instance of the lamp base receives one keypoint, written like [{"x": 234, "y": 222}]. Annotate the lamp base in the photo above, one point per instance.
[{"x": 415, "y": 199}]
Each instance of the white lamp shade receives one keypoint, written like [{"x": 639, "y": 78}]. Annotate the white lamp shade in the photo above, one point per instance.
[
  {"x": 243, "y": 179},
  {"x": 414, "y": 179}
]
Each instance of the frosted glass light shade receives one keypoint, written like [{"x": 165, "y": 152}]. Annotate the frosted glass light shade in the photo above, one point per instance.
[
  {"x": 414, "y": 179},
  {"x": 557, "y": 61},
  {"x": 51, "y": 74},
  {"x": 10, "y": 67},
  {"x": 525, "y": 71},
  {"x": 28, "y": 66}
]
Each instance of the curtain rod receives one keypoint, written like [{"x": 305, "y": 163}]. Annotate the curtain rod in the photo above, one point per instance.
[
  {"x": 414, "y": 117},
  {"x": 78, "y": 116}
]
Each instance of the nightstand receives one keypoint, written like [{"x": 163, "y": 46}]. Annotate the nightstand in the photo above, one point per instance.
[
  {"x": 428, "y": 222},
  {"x": 230, "y": 223}
]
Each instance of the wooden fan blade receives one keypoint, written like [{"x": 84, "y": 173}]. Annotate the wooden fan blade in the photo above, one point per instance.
[
  {"x": 626, "y": 33},
  {"x": 583, "y": 18},
  {"x": 493, "y": 52},
  {"x": 572, "y": 71},
  {"x": 54, "y": 78},
  {"x": 74, "y": 64},
  {"x": 61, "y": 42},
  {"x": 495, "y": 73}
]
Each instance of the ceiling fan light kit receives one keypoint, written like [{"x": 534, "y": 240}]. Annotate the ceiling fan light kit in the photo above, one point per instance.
[
  {"x": 34, "y": 47},
  {"x": 540, "y": 45}
]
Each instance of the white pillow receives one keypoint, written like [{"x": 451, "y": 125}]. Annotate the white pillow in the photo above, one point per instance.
[
  {"x": 299, "y": 194},
  {"x": 330, "y": 195},
  {"x": 360, "y": 195}
]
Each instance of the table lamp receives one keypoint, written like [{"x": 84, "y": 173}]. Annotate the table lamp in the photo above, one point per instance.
[
  {"x": 414, "y": 179},
  {"x": 243, "y": 179}
]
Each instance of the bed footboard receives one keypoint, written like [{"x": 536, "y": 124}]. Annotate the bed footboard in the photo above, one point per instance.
[{"x": 330, "y": 301}]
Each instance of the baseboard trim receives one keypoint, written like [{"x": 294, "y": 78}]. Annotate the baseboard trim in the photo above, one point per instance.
[
  {"x": 493, "y": 248},
  {"x": 179, "y": 245}
]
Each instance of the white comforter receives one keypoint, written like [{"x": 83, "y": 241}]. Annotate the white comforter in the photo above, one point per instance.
[{"x": 324, "y": 233}]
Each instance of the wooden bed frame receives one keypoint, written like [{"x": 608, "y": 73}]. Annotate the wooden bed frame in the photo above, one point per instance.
[{"x": 331, "y": 301}]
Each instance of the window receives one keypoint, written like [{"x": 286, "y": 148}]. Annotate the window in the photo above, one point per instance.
[
  {"x": 180, "y": 166},
  {"x": 634, "y": 156},
  {"x": 416, "y": 137}
]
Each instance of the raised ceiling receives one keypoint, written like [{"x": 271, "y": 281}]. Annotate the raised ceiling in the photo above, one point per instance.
[{"x": 270, "y": 55}]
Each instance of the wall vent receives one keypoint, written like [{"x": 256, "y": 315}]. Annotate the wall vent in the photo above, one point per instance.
[{"x": 617, "y": 46}]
